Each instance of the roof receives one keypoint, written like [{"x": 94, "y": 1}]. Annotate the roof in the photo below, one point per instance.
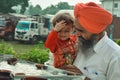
[{"x": 18, "y": 15}]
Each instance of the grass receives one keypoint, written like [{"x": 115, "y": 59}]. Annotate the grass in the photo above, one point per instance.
[
  {"x": 20, "y": 47},
  {"x": 30, "y": 52}
]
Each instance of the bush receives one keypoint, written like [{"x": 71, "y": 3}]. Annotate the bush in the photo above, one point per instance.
[
  {"x": 38, "y": 54},
  {"x": 117, "y": 41},
  {"x": 6, "y": 49}
]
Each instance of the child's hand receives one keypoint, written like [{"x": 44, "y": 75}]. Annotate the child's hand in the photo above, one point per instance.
[{"x": 59, "y": 26}]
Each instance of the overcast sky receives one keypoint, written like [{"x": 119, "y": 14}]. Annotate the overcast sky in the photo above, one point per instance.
[{"x": 46, "y": 3}]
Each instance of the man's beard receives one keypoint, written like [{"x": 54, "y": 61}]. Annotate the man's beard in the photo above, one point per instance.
[{"x": 87, "y": 45}]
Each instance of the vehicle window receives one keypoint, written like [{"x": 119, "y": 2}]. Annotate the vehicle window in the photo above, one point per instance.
[
  {"x": 23, "y": 25},
  {"x": 2, "y": 23},
  {"x": 36, "y": 26},
  {"x": 32, "y": 25}
]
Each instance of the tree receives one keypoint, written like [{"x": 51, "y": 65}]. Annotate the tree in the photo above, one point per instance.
[
  {"x": 34, "y": 10},
  {"x": 6, "y": 5},
  {"x": 24, "y": 4},
  {"x": 63, "y": 5},
  {"x": 55, "y": 8},
  {"x": 52, "y": 9},
  {"x": 30, "y": 9}
]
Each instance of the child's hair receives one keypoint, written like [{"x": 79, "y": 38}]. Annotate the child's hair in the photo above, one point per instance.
[{"x": 63, "y": 16}]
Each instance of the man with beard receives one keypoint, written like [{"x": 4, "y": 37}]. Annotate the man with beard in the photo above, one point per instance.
[{"x": 98, "y": 57}]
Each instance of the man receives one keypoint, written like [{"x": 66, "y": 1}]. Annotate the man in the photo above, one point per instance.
[{"x": 98, "y": 57}]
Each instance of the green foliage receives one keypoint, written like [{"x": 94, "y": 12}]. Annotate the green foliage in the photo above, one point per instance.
[
  {"x": 23, "y": 56},
  {"x": 38, "y": 54},
  {"x": 35, "y": 55},
  {"x": 50, "y": 9},
  {"x": 117, "y": 41},
  {"x": 63, "y": 5},
  {"x": 24, "y": 4},
  {"x": 6, "y": 5},
  {"x": 34, "y": 10},
  {"x": 6, "y": 49}
]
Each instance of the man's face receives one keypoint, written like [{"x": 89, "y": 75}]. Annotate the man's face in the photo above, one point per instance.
[
  {"x": 84, "y": 44},
  {"x": 86, "y": 39}
]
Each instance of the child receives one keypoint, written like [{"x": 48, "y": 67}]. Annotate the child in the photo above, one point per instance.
[{"x": 61, "y": 41}]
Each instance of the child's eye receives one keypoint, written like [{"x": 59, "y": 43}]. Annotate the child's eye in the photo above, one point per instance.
[{"x": 67, "y": 31}]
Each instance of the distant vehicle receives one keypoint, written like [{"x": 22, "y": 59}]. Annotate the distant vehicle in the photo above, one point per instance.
[
  {"x": 7, "y": 28},
  {"x": 32, "y": 29}
]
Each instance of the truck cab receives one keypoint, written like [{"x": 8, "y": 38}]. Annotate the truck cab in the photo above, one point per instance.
[
  {"x": 7, "y": 28},
  {"x": 30, "y": 31}
]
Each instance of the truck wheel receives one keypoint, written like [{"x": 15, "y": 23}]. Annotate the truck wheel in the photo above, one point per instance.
[
  {"x": 35, "y": 39},
  {"x": 9, "y": 37}
]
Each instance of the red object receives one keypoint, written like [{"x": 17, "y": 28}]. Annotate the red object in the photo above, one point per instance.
[
  {"x": 92, "y": 17},
  {"x": 63, "y": 51},
  {"x": 33, "y": 78}
]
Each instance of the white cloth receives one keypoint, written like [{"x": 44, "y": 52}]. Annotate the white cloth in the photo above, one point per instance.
[{"x": 103, "y": 63}]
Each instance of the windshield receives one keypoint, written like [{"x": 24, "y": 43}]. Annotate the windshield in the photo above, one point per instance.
[
  {"x": 23, "y": 25},
  {"x": 2, "y": 23}
]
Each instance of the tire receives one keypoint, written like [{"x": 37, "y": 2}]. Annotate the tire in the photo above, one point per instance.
[
  {"x": 34, "y": 40},
  {"x": 9, "y": 37}
]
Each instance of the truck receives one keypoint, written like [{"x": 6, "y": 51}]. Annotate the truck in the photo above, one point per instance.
[
  {"x": 7, "y": 28},
  {"x": 32, "y": 29}
]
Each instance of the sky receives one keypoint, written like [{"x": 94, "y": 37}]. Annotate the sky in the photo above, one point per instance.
[{"x": 46, "y": 3}]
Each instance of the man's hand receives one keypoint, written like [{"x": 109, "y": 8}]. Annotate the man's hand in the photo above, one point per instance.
[{"x": 71, "y": 68}]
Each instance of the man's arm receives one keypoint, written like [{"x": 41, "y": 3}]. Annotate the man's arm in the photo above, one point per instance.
[{"x": 71, "y": 69}]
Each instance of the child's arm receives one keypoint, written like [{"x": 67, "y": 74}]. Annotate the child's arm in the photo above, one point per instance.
[
  {"x": 52, "y": 38},
  {"x": 51, "y": 41}
]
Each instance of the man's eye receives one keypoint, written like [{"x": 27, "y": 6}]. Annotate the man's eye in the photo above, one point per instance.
[{"x": 78, "y": 30}]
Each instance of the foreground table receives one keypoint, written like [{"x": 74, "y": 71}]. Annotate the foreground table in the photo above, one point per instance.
[{"x": 23, "y": 69}]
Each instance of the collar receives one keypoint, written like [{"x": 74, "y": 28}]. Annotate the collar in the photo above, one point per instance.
[{"x": 100, "y": 44}]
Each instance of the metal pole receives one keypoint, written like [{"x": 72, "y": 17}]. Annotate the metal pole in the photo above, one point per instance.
[{"x": 112, "y": 24}]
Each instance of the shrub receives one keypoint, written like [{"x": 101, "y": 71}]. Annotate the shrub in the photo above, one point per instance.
[
  {"x": 6, "y": 49},
  {"x": 117, "y": 41},
  {"x": 38, "y": 54}
]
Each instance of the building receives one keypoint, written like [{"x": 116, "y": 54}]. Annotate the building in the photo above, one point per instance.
[
  {"x": 114, "y": 29},
  {"x": 112, "y": 6}
]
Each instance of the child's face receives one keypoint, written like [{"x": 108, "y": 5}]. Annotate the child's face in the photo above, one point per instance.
[{"x": 65, "y": 33}]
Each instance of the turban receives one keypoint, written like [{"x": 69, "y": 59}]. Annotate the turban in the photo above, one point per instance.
[{"x": 92, "y": 17}]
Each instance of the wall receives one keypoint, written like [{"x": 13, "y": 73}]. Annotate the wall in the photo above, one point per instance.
[
  {"x": 109, "y": 5},
  {"x": 116, "y": 28}
]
